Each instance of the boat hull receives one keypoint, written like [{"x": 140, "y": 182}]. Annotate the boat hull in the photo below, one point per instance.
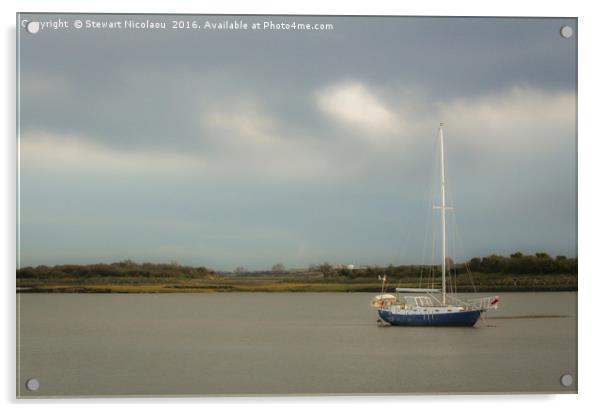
[{"x": 464, "y": 318}]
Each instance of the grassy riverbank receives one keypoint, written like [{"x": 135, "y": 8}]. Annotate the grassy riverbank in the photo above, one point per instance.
[
  {"x": 518, "y": 272},
  {"x": 275, "y": 284}
]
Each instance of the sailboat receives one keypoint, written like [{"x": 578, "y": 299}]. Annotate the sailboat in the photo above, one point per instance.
[{"x": 430, "y": 306}]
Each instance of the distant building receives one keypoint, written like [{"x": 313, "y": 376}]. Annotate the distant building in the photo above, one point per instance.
[
  {"x": 345, "y": 266},
  {"x": 278, "y": 268}
]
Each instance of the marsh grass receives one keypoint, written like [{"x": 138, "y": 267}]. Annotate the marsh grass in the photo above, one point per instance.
[{"x": 141, "y": 285}]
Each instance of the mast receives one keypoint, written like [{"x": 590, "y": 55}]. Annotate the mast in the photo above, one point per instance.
[{"x": 443, "y": 235}]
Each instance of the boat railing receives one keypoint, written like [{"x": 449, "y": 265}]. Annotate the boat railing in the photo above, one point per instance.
[
  {"x": 420, "y": 301},
  {"x": 485, "y": 303}
]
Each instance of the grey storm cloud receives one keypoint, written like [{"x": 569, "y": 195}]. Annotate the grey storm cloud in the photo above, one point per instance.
[{"x": 232, "y": 148}]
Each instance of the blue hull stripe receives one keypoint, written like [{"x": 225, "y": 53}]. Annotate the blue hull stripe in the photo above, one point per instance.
[{"x": 468, "y": 318}]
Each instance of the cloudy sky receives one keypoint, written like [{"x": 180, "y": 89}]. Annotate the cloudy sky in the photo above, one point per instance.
[{"x": 247, "y": 148}]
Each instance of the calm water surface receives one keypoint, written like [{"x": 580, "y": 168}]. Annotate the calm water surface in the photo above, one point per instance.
[{"x": 281, "y": 343}]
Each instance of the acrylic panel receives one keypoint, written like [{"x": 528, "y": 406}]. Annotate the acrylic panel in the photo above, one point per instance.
[{"x": 292, "y": 205}]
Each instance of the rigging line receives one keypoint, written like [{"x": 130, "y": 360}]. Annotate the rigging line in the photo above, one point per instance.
[
  {"x": 454, "y": 254},
  {"x": 430, "y": 265},
  {"x": 457, "y": 248},
  {"x": 463, "y": 252},
  {"x": 457, "y": 252},
  {"x": 435, "y": 194},
  {"x": 458, "y": 244},
  {"x": 429, "y": 216},
  {"x": 452, "y": 249},
  {"x": 456, "y": 228},
  {"x": 433, "y": 247}
]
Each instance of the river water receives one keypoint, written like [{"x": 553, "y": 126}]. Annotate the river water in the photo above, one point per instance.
[{"x": 284, "y": 343}]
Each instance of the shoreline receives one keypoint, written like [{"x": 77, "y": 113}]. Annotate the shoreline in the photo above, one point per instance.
[
  {"x": 517, "y": 273},
  {"x": 265, "y": 288}
]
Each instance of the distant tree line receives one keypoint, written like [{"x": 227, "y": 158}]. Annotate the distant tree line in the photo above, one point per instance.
[
  {"x": 516, "y": 264},
  {"x": 126, "y": 268}
]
